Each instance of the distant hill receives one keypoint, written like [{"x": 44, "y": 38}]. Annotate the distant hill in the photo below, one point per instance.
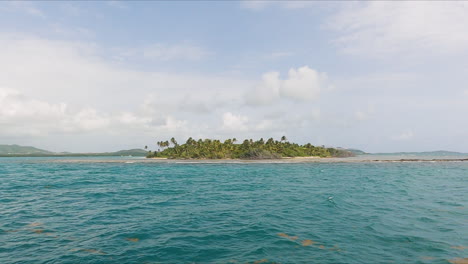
[
  {"x": 130, "y": 152},
  {"x": 356, "y": 151},
  {"x": 26, "y": 151},
  {"x": 426, "y": 153},
  {"x": 23, "y": 150}
]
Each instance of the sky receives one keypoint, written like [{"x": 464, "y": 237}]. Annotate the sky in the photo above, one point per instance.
[{"x": 103, "y": 76}]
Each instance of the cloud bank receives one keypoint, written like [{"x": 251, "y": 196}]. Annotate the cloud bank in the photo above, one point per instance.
[
  {"x": 62, "y": 87},
  {"x": 303, "y": 84},
  {"x": 381, "y": 28}
]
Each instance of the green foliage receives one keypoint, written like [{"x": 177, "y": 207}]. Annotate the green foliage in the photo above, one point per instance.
[
  {"x": 248, "y": 149},
  {"x": 258, "y": 153}
]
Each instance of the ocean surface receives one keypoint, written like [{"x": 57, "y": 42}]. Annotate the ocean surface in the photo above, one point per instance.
[{"x": 59, "y": 210}]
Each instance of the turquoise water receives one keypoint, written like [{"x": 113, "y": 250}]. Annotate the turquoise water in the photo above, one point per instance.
[{"x": 85, "y": 212}]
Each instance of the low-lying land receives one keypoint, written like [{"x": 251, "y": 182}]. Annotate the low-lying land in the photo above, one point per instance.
[
  {"x": 26, "y": 151},
  {"x": 248, "y": 149},
  {"x": 296, "y": 160}
]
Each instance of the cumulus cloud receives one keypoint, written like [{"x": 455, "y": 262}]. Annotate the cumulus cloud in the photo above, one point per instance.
[
  {"x": 73, "y": 72},
  {"x": 72, "y": 89},
  {"x": 232, "y": 122},
  {"x": 14, "y": 106},
  {"x": 380, "y": 28},
  {"x": 65, "y": 88},
  {"x": 172, "y": 124},
  {"x": 267, "y": 91},
  {"x": 303, "y": 84},
  {"x": 20, "y": 114},
  {"x": 87, "y": 119}
]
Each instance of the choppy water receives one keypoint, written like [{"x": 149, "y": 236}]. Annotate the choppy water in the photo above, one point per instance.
[{"x": 232, "y": 213}]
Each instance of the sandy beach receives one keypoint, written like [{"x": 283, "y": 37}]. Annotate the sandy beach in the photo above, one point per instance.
[{"x": 357, "y": 159}]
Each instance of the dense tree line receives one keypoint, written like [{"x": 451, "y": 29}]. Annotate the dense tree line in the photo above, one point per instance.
[{"x": 247, "y": 149}]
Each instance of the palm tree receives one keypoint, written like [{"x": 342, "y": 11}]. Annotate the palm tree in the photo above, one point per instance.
[
  {"x": 215, "y": 149},
  {"x": 189, "y": 141}
]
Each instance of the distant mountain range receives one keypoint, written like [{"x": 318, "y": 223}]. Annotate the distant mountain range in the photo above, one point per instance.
[
  {"x": 17, "y": 149},
  {"x": 357, "y": 151},
  {"x": 438, "y": 153},
  {"x": 26, "y": 151},
  {"x": 425, "y": 153}
]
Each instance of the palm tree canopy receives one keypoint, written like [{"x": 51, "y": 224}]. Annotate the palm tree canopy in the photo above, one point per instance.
[{"x": 249, "y": 149}]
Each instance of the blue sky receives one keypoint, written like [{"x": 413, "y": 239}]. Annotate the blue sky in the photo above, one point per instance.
[{"x": 103, "y": 76}]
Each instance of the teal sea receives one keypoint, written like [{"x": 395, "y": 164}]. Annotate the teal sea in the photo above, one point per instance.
[{"x": 165, "y": 212}]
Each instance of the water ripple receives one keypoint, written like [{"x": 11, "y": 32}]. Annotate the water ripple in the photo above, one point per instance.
[{"x": 233, "y": 213}]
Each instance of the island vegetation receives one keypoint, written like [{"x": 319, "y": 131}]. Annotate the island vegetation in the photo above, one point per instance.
[{"x": 246, "y": 149}]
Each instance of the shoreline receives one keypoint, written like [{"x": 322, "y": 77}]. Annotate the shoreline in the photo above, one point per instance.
[
  {"x": 286, "y": 160},
  {"x": 304, "y": 158}
]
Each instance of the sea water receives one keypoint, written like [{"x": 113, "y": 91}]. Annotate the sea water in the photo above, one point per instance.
[{"x": 159, "y": 212}]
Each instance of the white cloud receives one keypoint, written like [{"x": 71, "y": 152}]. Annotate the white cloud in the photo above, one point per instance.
[
  {"x": 174, "y": 52},
  {"x": 20, "y": 114},
  {"x": 406, "y": 135},
  {"x": 172, "y": 124},
  {"x": 65, "y": 87},
  {"x": 267, "y": 91},
  {"x": 303, "y": 84},
  {"x": 88, "y": 119},
  {"x": 380, "y": 28},
  {"x": 15, "y": 106},
  {"x": 465, "y": 92},
  {"x": 232, "y": 122},
  {"x": 131, "y": 119},
  {"x": 73, "y": 72}
]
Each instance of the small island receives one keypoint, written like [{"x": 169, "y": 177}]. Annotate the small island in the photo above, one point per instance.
[{"x": 247, "y": 149}]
